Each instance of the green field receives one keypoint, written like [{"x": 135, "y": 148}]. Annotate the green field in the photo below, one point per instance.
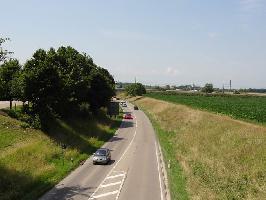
[
  {"x": 251, "y": 108},
  {"x": 32, "y": 161}
]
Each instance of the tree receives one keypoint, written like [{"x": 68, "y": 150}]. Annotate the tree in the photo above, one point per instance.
[
  {"x": 9, "y": 73},
  {"x": 102, "y": 89},
  {"x": 208, "y": 88},
  {"x": 42, "y": 83},
  {"x": 3, "y": 52},
  {"x": 135, "y": 89},
  {"x": 61, "y": 81}
]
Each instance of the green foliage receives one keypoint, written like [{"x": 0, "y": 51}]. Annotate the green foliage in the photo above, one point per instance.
[
  {"x": 208, "y": 88},
  {"x": 135, "y": 89},
  {"x": 3, "y": 52},
  {"x": 42, "y": 83},
  {"x": 28, "y": 119},
  {"x": 62, "y": 81},
  {"x": 240, "y": 107},
  {"x": 9, "y": 80}
]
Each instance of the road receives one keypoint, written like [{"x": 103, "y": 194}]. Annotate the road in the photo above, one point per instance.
[
  {"x": 133, "y": 173},
  {"x": 5, "y": 104}
]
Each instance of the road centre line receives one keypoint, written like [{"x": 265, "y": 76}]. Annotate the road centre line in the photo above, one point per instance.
[
  {"x": 91, "y": 197},
  {"x": 158, "y": 167},
  {"x": 105, "y": 194},
  {"x": 111, "y": 184}
]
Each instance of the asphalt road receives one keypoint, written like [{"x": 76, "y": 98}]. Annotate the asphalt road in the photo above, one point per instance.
[
  {"x": 133, "y": 173},
  {"x": 5, "y": 104}
]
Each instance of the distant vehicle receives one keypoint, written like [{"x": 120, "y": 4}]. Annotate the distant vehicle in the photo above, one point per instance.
[
  {"x": 128, "y": 116},
  {"x": 136, "y": 107},
  {"x": 102, "y": 155}
]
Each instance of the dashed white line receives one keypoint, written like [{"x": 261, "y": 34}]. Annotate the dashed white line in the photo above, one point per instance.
[{"x": 158, "y": 165}]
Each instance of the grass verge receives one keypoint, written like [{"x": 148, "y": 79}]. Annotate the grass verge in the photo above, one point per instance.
[
  {"x": 31, "y": 161},
  {"x": 221, "y": 158},
  {"x": 177, "y": 180}
]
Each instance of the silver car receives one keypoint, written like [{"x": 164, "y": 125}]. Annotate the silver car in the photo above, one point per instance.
[{"x": 102, "y": 156}]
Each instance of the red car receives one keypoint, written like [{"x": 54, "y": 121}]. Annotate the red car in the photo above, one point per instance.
[{"x": 128, "y": 116}]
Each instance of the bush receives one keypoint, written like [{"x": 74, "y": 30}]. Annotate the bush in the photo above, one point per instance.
[
  {"x": 13, "y": 113},
  {"x": 208, "y": 88},
  {"x": 24, "y": 125},
  {"x": 136, "y": 89}
]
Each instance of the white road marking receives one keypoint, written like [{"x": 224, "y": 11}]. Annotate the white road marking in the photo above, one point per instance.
[
  {"x": 115, "y": 176},
  {"x": 158, "y": 165},
  {"x": 105, "y": 194},
  {"x": 111, "y": 184},
  {"x": 119, "y": 191},
  {"x": 92, "y": 195},
  {"x": 121, "y": 172}
]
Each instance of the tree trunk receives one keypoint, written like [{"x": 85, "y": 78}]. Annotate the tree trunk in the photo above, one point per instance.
[{"x": 10, "y": 104}]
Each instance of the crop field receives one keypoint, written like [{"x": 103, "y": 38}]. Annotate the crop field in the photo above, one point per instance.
[{"x": 250, "y": 108}]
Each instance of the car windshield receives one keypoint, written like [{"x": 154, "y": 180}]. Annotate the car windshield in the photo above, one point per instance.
[{"x": 100, "y": 152}]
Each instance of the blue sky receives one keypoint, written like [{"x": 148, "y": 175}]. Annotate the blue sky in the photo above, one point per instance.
[{"x": 159, "y": 42}]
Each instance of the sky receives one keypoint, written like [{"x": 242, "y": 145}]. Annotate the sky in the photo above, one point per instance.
[{"x": 159, "y": 42}]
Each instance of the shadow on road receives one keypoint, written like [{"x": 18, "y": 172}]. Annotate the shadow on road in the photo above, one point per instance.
[
  {"x": 67, "y": 193},
  {"x": 115, "y": 138},
  {"x": 109, "y": 163},
  {"x": 127, "y": 124}
]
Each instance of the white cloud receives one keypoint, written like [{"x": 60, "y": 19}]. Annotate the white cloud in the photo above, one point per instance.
[{"x": 172, "y": 71}]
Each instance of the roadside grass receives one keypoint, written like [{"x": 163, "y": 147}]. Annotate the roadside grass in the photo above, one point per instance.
[
  {"x": 31, "y": 161},
  {"x": 177, "y": 180},
  {"x": 220, "y": 158}
]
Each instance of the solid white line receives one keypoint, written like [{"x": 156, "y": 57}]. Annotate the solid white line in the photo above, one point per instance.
[
  {"x": 111, "y": 184},
  {"x": 105, "y": 194},
  {"x": 158, "y": 165},
  {"x": 115, "y": 164},
  {"x": 118, "y": 175}
]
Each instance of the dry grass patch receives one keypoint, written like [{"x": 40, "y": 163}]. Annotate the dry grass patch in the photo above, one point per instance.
[{"x": 222, "y": 158}]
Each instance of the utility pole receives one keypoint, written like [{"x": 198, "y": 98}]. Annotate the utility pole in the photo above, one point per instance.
[{"x": 230, "y": 85}]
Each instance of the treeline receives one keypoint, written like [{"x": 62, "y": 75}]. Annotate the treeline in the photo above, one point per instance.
[
  {"x": 253, "y": 90},
  {"x": 59, "y": 82}
]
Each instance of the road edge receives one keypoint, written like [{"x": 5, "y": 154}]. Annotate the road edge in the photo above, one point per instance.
[{"x": 164, "y": 173}]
